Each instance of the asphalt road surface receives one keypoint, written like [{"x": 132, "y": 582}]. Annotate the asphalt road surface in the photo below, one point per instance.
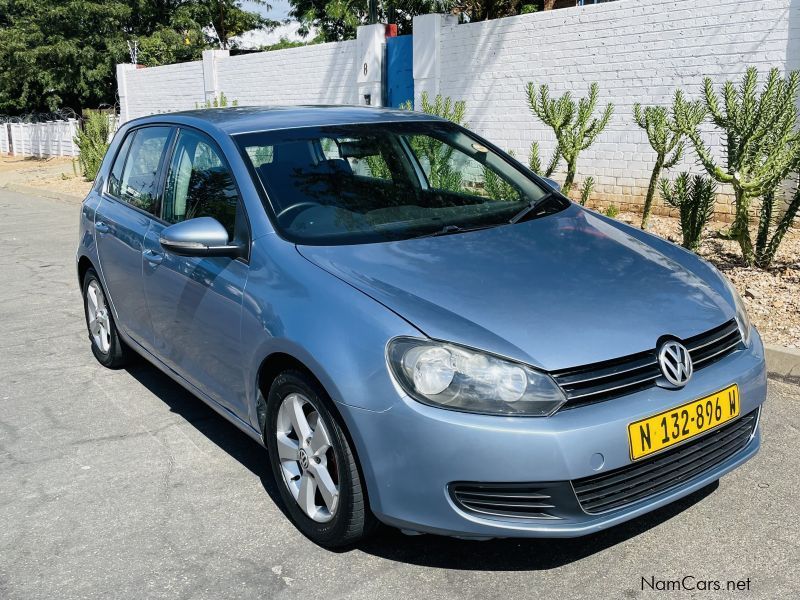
[{"x": 122, "y": 485}]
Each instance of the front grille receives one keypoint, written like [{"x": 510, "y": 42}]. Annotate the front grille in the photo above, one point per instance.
[
  {"x": 623, "y": 486},
  {"x": 613, "y": 378},
  {"x": 517, "y": 501}
]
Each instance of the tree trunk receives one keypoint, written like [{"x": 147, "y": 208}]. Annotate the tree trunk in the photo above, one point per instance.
[
  {"x": 570, "y": 178},
  {"x": 741, "y": 227},
  {"x": 651, "y": 191}
]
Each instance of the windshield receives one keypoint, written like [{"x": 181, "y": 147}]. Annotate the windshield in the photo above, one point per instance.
[{"x": 355, "y": 184}]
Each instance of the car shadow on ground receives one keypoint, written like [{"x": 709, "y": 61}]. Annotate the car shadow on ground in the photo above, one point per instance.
[
  {"x": 389, "y": 543},
  {"x": 216, "y": 428}
]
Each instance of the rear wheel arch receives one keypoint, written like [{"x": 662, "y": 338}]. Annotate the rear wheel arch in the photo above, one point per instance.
[{"x": 84, "y": 264}]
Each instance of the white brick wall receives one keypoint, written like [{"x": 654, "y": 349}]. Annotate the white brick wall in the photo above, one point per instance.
[
  {"x": 164, "y": 89},
  {"x": 637, "y": 50},
  {"x": 319, "y": 74}
]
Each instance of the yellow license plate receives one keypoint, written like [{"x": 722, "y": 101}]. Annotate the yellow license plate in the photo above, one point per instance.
[{"x": 678, "y": 424}]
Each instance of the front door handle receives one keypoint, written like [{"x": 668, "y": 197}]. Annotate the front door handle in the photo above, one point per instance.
[
  {"x": 101, "y": 227},
  {"x": 154, "y": 258}
]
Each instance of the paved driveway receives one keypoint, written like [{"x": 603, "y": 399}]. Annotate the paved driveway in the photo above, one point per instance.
[{"x": 122, "y": 485}]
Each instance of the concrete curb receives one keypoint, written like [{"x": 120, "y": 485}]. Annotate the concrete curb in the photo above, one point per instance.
[
  {"x": 783, "y": 363},
  {"x": 41, "y": 192}
]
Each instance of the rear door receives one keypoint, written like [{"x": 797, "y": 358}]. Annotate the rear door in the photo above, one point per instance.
[
  {"x": 195, "y": 303},
  {"x": 123, "y": 217}
]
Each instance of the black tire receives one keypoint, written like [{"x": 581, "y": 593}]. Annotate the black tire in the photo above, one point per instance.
[
  {"x": 118, "y": 354},
  {"x": 352, "y": 520}
]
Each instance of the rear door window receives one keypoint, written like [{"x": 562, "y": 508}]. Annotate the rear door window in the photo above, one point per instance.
[{"x": 135, "y": 174}]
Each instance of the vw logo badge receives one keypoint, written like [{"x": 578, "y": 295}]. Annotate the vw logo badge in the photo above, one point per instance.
[
  {"x": 303, "y": 459},
  {"x": 675, "y": 362}
]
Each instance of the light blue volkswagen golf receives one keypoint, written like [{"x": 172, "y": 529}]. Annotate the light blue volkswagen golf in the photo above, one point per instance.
[{"x": 421, "y": 331}]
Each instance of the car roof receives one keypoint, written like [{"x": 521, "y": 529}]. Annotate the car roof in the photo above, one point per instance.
[{"x": 245, "y": 119}]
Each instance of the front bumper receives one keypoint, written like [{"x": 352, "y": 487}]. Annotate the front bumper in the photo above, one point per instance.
[{"x": 411, "y": 453}]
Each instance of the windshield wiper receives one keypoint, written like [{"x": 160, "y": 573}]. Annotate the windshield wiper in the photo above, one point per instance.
[
  {"x": 533, "y": 205},
  {"x": 451, "y": 229}
]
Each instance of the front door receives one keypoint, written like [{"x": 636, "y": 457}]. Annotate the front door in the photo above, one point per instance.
[
  {"x": 195, "y": 303},
  {"x": 122, "y": 219}
]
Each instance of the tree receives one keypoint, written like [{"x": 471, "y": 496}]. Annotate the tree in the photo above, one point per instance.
[
  {"x": 337, "y": 20},
  {"x": 62, "y": 53},
  {"x": 574, "y": 126},
  {"x": 762, "y": 146},
  {"x": 59, "y": 53}
]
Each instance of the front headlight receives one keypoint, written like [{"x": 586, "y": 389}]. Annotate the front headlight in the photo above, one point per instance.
[
  {"x": 742, "y": 318},
  {"x": 458, "y": 378}
]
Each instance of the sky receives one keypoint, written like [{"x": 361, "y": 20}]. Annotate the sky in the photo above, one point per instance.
[{"x": 279, "y": 11}]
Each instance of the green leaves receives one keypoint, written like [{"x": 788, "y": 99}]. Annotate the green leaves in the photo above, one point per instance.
[
  {"x": 574, "y": 124},
  {"x": 63, "y": 53},
  {"x": 92, "y": 141}
]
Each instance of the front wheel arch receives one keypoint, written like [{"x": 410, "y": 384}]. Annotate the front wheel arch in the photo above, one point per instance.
[{"x": 275, "y": 364}]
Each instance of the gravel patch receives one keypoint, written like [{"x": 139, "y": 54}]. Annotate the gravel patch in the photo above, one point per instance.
[{"x": 772, "y": 296}]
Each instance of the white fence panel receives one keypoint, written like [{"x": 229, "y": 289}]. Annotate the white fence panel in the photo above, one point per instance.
[
  {"x": 50, "y": 138},
  {"x": 5, "y": 146}
]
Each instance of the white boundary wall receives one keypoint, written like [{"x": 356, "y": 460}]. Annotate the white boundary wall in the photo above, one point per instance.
[
  {"x": 335, "y": 73},
  {"x": 637, "y": 50}
]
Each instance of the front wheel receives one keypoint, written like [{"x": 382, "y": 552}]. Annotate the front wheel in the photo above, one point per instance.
[
  {"x": 107, "y": 347},
  {"x": 313, "y": 464}
]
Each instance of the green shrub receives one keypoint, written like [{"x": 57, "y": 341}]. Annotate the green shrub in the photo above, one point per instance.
[
  {"x": 573, "y": 124},
  {"x": 92, "y": 141},
  {"x": 611, "y": 211},
  {"x": 220, "y": 101},
  {"x": 694, "y": 198}
]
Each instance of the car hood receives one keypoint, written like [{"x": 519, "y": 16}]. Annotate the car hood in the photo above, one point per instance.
[{"x": 564, "y": 290}]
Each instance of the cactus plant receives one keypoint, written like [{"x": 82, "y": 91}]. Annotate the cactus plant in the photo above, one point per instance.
[
  {"x": 665, "y": 138},
  {"x": 766, "y": 244},
  {"x": 586, "y": 190},
  {"x": 435, "y": 153},
  {"x": 573, "y": 123},
  {"x": 694, "y": 198},
  {"x": 762, "y": 146},
  {"x": 498, "y": 188}
]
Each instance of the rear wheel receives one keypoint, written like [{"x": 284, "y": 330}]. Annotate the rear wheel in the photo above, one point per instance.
[
  {"x": 107, "y": 347},
  {"x": 313, "y": 463}
]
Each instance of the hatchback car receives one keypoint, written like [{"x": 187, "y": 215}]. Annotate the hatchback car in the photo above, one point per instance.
[{"x": 420, "y": 330}]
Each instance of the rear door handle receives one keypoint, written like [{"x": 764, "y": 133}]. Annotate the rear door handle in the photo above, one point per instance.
[
  {"x": 154, "y": 258},
  {"x": 101, "y": 227}
]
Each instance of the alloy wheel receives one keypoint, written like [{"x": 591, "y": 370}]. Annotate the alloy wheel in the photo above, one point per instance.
[
  {"x": 307, "y": 459},
  {"x": 98, "y": 317}
]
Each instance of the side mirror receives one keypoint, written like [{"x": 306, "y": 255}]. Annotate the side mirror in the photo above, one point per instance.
[
  {"x": 553, "y": 184},
  {"x": 203, "y": 236}
]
